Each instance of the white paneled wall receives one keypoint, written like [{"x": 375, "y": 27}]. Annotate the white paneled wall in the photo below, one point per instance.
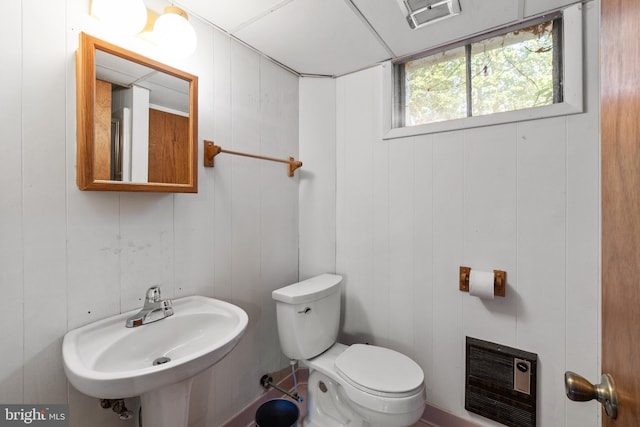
[
  {"x": 11, "y": 260},
  {"x": 522, "y": 197},
  {"x": 68, "y": 257},
  {"x": 318, "y": 176}
]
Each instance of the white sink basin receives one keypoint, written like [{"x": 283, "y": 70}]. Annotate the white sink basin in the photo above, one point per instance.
[{"x": 107, "y": 360}]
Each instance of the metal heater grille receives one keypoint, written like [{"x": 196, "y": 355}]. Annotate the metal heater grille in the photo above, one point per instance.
[{"x": 501, "y": 383}]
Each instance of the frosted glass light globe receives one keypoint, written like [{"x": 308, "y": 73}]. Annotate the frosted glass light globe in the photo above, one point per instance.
[
  {"x": 126, "y": 16},
  {"x": 174, "y": 34}
]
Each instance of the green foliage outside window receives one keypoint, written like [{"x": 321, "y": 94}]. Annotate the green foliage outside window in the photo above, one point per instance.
[
  {"x": 507, "y": 72},
  {"x": 436, "y": 87}
]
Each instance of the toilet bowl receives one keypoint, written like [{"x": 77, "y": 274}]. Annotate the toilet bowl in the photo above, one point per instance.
[
  {"x": 357, "y": 385},
  {"x": 351, "y": 385}
]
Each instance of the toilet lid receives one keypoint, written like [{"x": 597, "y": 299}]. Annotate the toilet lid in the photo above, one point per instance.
[{"x": 380, "y": 371}]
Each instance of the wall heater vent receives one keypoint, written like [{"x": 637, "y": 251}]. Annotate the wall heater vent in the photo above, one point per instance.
[
  {"x": 422, "y": 12},
  {"x": 501, "y": 383}
]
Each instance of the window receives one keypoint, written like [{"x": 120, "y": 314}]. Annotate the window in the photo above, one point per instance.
[
  {"x": 517, "y": 70},
  {"x": 529, "y": 69},
  {"x": 435, "y": 88}
]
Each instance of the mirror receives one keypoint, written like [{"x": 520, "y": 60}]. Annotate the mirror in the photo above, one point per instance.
[{"x": 136, "y": 122}]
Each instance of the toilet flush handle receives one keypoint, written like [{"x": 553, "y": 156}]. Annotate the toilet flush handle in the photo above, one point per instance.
[{"x": 305, "y": 310}]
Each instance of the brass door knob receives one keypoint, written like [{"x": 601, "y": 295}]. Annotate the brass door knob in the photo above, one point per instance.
[{"x": 581, "y": 390}]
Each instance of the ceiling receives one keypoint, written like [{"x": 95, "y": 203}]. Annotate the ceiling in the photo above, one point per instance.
[
  {"x": 335, "y": 37},
  {"x": 165, "y": 90}
]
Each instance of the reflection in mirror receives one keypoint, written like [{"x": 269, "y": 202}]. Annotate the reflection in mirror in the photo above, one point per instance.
[
  {"x": 136, "y": 122},
  {"x": 144, "y": 102}
]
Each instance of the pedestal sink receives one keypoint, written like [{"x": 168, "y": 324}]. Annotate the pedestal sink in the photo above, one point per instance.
[{"x": 156, "y": 361}]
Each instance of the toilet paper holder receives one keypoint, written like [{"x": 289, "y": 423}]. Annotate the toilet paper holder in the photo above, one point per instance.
[{"x": 499, "y": 281}]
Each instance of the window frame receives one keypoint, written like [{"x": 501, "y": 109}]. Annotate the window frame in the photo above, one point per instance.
[{"x": 572, "y": 96}]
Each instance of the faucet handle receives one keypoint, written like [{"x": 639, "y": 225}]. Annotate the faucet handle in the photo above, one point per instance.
[
  {"x": 167, "y": 307},
  {"x": 153, "y": 294}
]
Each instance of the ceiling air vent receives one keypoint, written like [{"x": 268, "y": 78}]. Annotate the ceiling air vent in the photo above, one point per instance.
[{"x": 423, "y": 12}]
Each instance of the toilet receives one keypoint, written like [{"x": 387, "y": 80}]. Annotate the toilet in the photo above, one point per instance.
[{"x": 354, "y": 386}]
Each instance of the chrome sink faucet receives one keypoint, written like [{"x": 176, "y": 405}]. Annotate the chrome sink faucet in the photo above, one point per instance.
[{"x": 155, "y": 308}]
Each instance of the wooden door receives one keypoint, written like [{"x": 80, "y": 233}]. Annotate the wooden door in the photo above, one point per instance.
[
  {"x": 102, "y": 148},
  {"x": 620, "y": 139},
  {"x": 168, "y": 147}
]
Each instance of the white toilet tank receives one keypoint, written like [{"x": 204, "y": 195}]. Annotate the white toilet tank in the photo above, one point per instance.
[{"x": 308, "y": 314}]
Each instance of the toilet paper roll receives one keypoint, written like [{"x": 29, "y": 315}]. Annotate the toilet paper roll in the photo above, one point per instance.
[{"x": 481, "y": 284}]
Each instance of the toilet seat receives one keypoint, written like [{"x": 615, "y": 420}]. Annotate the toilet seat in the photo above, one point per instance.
[{"x": 379, "y": 371}]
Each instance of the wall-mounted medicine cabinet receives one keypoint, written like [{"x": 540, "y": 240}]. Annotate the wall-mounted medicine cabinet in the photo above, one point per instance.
[{"x": 137, "y": 122}]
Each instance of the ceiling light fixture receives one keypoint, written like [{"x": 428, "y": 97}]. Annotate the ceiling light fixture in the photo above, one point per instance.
[
  {"x": 173, "y": 33},
  {"x": 127, "y": 16}
]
